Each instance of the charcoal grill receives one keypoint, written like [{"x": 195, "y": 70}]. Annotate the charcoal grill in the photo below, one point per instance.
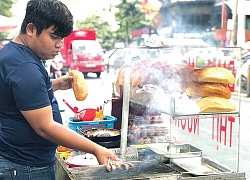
[{"x": 150, "y": 169}]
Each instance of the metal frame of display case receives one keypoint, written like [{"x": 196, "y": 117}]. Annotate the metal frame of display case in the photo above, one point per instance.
[{"x": 170, "y": 110}]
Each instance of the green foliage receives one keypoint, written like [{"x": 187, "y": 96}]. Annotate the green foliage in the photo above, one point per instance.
[
  {"x": 130, "y": 16},
  {"x": 103, "y": 29},
  {"x": 5, "y": 6}
]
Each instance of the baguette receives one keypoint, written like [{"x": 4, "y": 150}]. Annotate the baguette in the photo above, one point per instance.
[
  {"x": 120, "y": 75},
  {"x": 214, "y": 89},
  {"x": 79, "y": 85},
  {"x": 194, "y": 74},
  {"x": 215, "y": 74},
  {"x": 208, "y": 89},
  {"x": 186, "y": 73},
  {"x": 192, "y": 89},
  {"x": 215, "y": 104}
]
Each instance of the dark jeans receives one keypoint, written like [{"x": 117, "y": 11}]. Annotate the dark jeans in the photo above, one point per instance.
[{"x": 10, "y": 171}]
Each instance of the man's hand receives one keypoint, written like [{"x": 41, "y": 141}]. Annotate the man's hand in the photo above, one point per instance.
[{"x": 62, "y": 83}]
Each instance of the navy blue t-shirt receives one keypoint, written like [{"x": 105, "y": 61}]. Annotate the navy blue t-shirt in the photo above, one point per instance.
[{"x": 24, "y": 85}]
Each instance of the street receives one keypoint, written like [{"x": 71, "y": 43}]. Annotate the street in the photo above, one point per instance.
[
  {"x": 100, "y": 90},
  {"x": 244, "y": 134}
]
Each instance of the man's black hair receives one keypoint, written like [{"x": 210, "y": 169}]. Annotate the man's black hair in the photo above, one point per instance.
[{"x": 45, "y": 13}]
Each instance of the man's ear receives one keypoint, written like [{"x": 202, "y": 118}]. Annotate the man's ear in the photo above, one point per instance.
[{"x": 31, "y": 29}]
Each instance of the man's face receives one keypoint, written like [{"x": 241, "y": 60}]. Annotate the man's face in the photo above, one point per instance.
[{"x": 47, "y": 45}]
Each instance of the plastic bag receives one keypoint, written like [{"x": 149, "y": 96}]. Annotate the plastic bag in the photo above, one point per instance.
[{"x": 185, "y": 105}]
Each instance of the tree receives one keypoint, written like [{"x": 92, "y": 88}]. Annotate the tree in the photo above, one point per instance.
[
  {"x": 5, "y": 6},
  {"x": 102, "y": 27},
  {"x": 130, "y": 16}
]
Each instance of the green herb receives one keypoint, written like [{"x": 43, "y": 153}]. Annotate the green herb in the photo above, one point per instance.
[
  {"x": 184, "y": 150},
  {"x": 168, "y": 147}
]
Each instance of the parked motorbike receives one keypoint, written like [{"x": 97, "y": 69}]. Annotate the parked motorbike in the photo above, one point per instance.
[{"x": 56, "y": 67}]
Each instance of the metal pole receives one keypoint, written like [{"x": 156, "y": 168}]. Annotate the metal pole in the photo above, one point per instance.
[
  {"x": 127, "y": 35},
  {"x": 248, "y": 81},
  {"x": 125, "y": 108},
  {"x": 108, "y": 68},
  {"x": 241, "y": 24},
  {"x": 235, "y": 11},
  {"x": 238, "y": 128},
  {"x": 223, "y": 20}
]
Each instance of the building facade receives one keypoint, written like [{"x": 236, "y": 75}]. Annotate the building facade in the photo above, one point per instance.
[{"x": 205, "y": 19}]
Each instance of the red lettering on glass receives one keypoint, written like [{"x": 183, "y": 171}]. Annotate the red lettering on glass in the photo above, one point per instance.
[
  {"x": 218, "y": 122},
  {"x": 196, "y": 125},
  {"x": 223, "y": 128},
  {"x": 231, "y": 120},
  {"x": 183, "y": 124},
  {"x": 219, "y": 126},
  {"x": 191, "y": 124}
]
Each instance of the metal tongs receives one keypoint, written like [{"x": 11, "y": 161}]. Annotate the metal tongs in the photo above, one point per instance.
[
  {"x": 80, "y": 130},
  {"x": 150, "y": 88}
]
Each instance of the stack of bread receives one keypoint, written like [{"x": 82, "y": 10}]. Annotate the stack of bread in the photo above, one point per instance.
[{"x": 211, "y": 84}]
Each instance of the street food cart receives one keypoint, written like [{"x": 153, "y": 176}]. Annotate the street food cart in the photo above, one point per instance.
[{"x": 171, "y": 139}]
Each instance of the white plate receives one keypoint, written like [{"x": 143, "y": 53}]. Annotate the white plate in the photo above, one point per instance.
[{"x": 83, "y": 160}]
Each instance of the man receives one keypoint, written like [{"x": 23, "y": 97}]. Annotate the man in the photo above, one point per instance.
[{"x": 30, "y": 122}]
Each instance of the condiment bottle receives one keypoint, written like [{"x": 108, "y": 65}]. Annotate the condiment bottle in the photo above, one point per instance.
[
  {"x": 102, "y": 117},
  {"x": 97, "y": 115}
]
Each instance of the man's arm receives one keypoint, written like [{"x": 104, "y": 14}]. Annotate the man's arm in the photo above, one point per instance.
[{"x": 41, "y": 120}]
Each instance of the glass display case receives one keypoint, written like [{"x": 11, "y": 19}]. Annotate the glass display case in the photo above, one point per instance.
[{"x": 160, "y": 114}]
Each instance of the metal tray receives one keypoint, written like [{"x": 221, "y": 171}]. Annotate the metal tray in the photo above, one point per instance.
[
  {"x": 149, "y": 169},
  {"x": 171, "y": 150},
  {"x": 200, "y": 166}
]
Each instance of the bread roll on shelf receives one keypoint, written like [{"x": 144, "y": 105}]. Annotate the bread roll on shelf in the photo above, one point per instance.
[
  {"x": 215, "y": 104},
  {"x": 194, "y": 74},
  {"x": 192, "y": 89},
  {"x": 215, "y": 74},
  {"x": 214, "y": 89},
  {"x": 208, "y": 89},
  {"x": 138, "y": 78},
  {"x": 120, "y": 75},
  {"x": 185, "y": 73}
]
